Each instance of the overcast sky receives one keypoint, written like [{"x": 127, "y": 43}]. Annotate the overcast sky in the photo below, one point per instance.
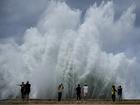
[{"x": 18, "y": 15}]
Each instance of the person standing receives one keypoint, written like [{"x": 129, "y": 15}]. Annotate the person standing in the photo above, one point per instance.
[
  {"x": 27, "y": 89},
  {"x": 78, "y": 92},
  {"x": 85, "y": 91},
  {"x": 22, "y": 90},
  {"x": 60, "y": 90},
  {"x": 120, "y": 93},
  {"x": 113, "y": 93}
]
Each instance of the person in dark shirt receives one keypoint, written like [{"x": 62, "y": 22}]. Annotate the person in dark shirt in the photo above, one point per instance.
[
  {"x": 120, "y": 93},
  {"x": 78, "y": 92},
  {"x": 27, "y": 89},
  {"x": 22, "y": 90}
]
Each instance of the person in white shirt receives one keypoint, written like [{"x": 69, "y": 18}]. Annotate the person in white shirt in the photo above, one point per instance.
[
  {"x": 85, "y": 91},
  {"x": 60, "y": 90}
]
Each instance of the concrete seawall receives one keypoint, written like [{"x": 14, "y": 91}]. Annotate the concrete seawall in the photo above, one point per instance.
[{"x": 69, "y": 102}]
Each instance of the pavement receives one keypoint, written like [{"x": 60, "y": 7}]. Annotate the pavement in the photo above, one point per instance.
[{"x": 67, "y": 102}]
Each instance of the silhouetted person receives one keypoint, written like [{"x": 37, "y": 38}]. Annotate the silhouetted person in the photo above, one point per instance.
[
  {"x": 27, "y": 89},
  {"x": 120, "y": 93},
  {"x": 22, "y": 90},
  {"x": 113, "y": 93},
  {"x": 60, "y": 90},
  {"x": 85, "y": 91},
  {"x": 78, "y": 92}
]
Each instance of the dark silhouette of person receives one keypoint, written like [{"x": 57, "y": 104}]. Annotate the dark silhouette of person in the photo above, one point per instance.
[
  {"x": 78, "y": 92},
  {"x": 27, "y": 89},
  {"x": 60, "y": 90},
  {"x": 22, "y": 90},
  {"x": 120, "y": 93},
  {"x": 113, "y": 93}
]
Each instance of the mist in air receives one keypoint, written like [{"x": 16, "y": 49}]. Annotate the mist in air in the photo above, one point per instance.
[{"x": 70, "y": 47}]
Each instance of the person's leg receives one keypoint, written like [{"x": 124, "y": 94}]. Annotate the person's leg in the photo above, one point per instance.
[
  {"x": 79, "y": 96},
  {"x": 60, "y": 95},
  {"x": 113, "y": 98},
  {"x": 85, "y": 96},
  {"x": 22, "y": 96},
  {"x": 121, "y": 97},
  {"x": 27, "y": 96}
]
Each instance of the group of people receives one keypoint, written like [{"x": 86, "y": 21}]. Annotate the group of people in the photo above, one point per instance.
[
  {"x": 79, "y": 91},
  {"x": 25, "y": 90},
  {"x": 84, "y": 91},
  {"x": 118, "y": 91}
]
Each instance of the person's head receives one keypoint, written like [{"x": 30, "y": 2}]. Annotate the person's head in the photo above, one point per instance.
[
  {"x": 78, "y": 85},
  {"x": 85, "y": 84},
  {"x": 27, "y": 82},
  {"x": 22, "y": 82},
  {"x": 60, "y": 85},
  {"x": 113, "y": 86}
]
